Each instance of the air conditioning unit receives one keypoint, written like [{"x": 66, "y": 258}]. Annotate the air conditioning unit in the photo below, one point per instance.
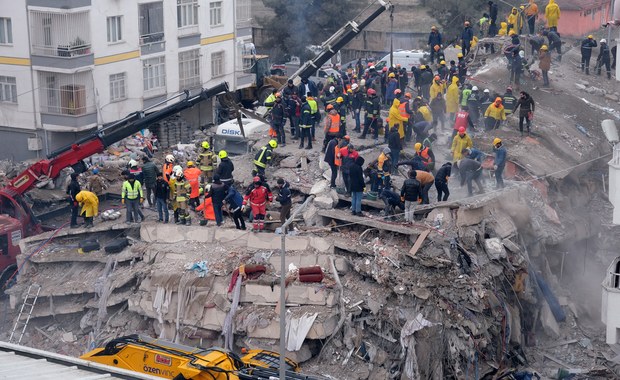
[{"x": 35, "y": 144}]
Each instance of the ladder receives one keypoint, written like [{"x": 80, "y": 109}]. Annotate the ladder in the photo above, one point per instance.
[{"x": 27, "y": 307}]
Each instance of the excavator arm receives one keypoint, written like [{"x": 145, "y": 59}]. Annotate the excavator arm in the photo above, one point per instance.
[{"x": 337, "y": 41}]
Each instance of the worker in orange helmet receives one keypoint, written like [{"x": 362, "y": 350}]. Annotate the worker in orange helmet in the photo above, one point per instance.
[
  {"x": 495, "y": 114},
  {"x": 257, "y": 200},
  {"x": 461, "y": 141}
]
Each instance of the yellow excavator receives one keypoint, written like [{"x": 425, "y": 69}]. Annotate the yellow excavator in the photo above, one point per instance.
[{"x": 174, "y": 361}]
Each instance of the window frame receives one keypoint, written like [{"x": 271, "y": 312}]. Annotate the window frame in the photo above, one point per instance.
[
  {"x": 148, "y": 84},
  {"x": 220, "y": 71},
  {"x": 114, "y": 81},
  {"x": 118, "y": 26},
  {"x": 190, "y": 64},
  {"x": 215, "y": 12},
  {"x": 183, "y": 5},
  {"x": 6, "y": 25},
  {"x": 6, "y": 84}
]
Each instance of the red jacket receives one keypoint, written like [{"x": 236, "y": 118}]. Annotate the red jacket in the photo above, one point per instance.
[
  {"x": 258, "y": 196},
  {"x": 462, "y": 120}
]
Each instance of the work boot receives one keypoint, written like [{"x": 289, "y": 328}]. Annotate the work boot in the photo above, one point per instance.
[
  {"x": 188, "y": 221},
  {"x": 587, "y": 71},
  {"x": 203, "y": 222}
]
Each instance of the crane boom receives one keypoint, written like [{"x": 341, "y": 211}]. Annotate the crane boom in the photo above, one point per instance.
[{"x": 338, "y": 41}]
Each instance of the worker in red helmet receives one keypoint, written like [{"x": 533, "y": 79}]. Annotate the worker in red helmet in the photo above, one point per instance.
[
  {"x": 372, "y": 106},
  {"x": 461, "y": 141},
  {"x": 257, "y": 200}
]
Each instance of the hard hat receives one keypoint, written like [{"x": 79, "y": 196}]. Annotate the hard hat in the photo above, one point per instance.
[
  {"x": 544, "y": 47},
  {"x": 417, "y": 147},
  {"x": 347, "y": 137},
  {"x": 371, "y": 91},
  {"x": 522, "y": 7},
  {"x": 498, "y": 100},
  {"x": 372, "y": 67},
  {"x": 95, "y": 171},
  {"x": 512, "y": 32},
  {"x": 442, "y": 62},
  {"x": 278, "y": 95},
  {"x": 354, "y": 86},
  {"x": 273, "y": 143},
  {"x": 190, "y": 163},
  {"x": 222, "y": 154},
  {"x": 384, "y": 69},
  {"x": 397, "y": 91},
  {"x": 437, "y": 77},
  {"x": 521, "y": 54},
  {"x": 205, "y": 145},
  {"x": 590, "y": 36},
  {"x": 408, "y": 95},
  {"x": 422, "y": 67},
  {"x": 176, "y": 168},
  {"x": 363, "y": 82},
  {"x": 256, "y": 179},
  {"x": 391, "y": 75},
  {"x": 201, "y": 190},
  {"x": 178, "y": 173},
  {"x": 436, "y": 47},
  {"x": 332, "y": 88},
  {"x": 133, "y": 163},
  {"x": 486, "y": 90},
  {"x": 475, "y": 88},
  {"x": 340, "y": 99},
  {"x": 603, "y": 41},
  {"x": 349, "y": 91},
  {"x": 170, "y": 158},
  {"x": 329, "y": 107},
  {"x": 459, "y": 55},
  {"x": 461, "y": 129},
  {"x": 497, "y": 140}
]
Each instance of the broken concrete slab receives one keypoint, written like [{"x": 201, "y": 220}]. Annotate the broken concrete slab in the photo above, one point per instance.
[
  {"x": 494, "y": 248},
  {"x": 324, "y": 202},
  {"x": 469, "y": 216}
]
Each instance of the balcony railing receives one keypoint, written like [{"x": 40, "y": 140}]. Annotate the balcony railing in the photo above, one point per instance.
[
  {"x": 148, "y": 39},
  {"x": 60, "y": 34},
  {"x": 66, "y": 94}
]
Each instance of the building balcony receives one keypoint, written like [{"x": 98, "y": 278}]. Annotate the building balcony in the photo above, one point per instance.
[{"x": 152, "y": 43}]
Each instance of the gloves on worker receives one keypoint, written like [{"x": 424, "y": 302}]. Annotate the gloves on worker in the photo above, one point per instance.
[
  {"x": 123, "y": 201},
  {"x": 141, "y": 200}
]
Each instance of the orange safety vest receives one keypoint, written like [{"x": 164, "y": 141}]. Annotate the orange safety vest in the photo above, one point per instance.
[
  {"x": 402, "y": 110},
  {"x": 335, "y": 123},
  {"x": 167, "y": 171},
  {"x": 207, "y": 208},
  {"x": 425, "y": 157},
  {"x": 337, "y": 156},
  {"x": 192, "y": 175}
]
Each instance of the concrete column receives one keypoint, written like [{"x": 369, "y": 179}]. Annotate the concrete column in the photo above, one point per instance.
[{"x": 614, "y": 183}]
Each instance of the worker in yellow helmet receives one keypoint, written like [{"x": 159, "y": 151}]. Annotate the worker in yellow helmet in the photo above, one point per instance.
[
  {"x": 499, "y": 163},
  {"x": 586, "y": 52},
  {"x": 206, "y": 160},
  {"x": 341, "y": 108}
]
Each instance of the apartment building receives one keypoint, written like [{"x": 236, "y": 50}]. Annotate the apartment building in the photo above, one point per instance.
[{"x": 69, "y": 66}]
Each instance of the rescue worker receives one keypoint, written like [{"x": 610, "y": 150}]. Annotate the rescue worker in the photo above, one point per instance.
[
  {"x": 516, "y": 69},
  {"x": 341, "y": 108},
  {"x": 437, "y": 88},
  {"x": 167, "y": 167},
  {"x": 390, "y": 89},
  {"x": 96, "y": 183},
  {"x": 217, "y": 192},
  {"x": 90, "y": 206},
  {"x": 207, "y": 209},
  {"x": 330, "y": 158},
  {"x": 284, "y": 198},
  {"x": 398, "y": 117},
  {"x": 306, "y": 122},
  {"x": 470, "y": 171},
  {"x": 536, "y": 42},
  {"x": 422, "y": 119},
  {"x": 410, "y": 194},
  {"x": 499, "y": 163},
  {"x": 403, "y": 78},
  {"x": 357, "y": 101},
  {"x": 206, "y": 160},
  {"x": 348, "y": 154},
  {"x": 329, "y": 97},
  {"x": 372, "y": 108},
  {"x": 531, "y": 13},
  {"x": 136, "y": 170},
  {"x": 384, "y": 168},
  {"x": 132, "y": 197},
  {"x": 426, "y": 180},
  {"x": 544, "y": 64},
  {"x": 172, "y": 199},
  {"x": 474, "y": 154},
  {"x": 293, "y": 110},
  {"x": 586, "y": 53},
  {"x": 493, "y": 10},
  {"x": 512, "y": 19},
  {"x": 278, "y": 119},
  {"x": 182, "y": 191},
  {"x": 503, "y": 30},
  {"x": 460, "y": 142},
  {"x": 192, "y": 176},
  {"x": 395, "y": 143},
  {"x": 467, "y": 35},
  {"x": 554, "y": 42},
  {"x": 263, "y": 157},
  {"x": 434, "y": 38},
  {"x": 271, "y": 99},
  {"x": 332, "y": 125},
  {"x": 149, "y": 172},
  {"x": 314, "y": 113},
  {"x": 509, "y": 101},
  {"x": 357, "y": 184},
  {"x": 452, "y": 98},
  {"x": 162, "y": 194},
  {"x": 427, "y": 156},
  {"x": 473, "y": 104},
  {"x": 225, "y": 169},
  {"x": 526, "y": 112},
  {"x": 604, "y": 58},
  {"x": 494, "y": 115},
  {"x": 257, "y": 200},
  {"x": 438, "y": 110},
  {"x": 552, "y": 14},
  {"x": 426, "y": 80},
  {"x": 443, "y": 71},
  {"x": 462, "y": 120},
  {"x": 233, "y": 202},
  {"x": 441, "y": 181}
]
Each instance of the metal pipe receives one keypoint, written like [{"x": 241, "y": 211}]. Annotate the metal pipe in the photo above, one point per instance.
[{"x": 283, "y": 286}]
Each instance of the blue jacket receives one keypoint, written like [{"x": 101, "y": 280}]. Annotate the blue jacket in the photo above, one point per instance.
[
  {"x": 284, "y": 195},
  {"x": 392, "y": 85},
  {"x": 476, "y": 154},
  {"x": 434, "y": 39},
  {"x": 306, "y": 116},
  {"x": 233, "y": 199},
  {"x": 301, "y": 90},
  {"x": 500, "y": 156},
  {"x": 467, "y": 35}
]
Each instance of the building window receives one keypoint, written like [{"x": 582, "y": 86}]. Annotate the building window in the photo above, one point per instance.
[
  {"x": 6, "y": 31},
  {"x": 151, "y": 22},
  {"x": 8, "y": 89},
  {"x": 67, "y": 94},
  {"x": 187, "y": 13},
  {"x": 115, "y": 33},
  {"x": 154, "y": 74},
  {"x": 189, "y": 69},
  {"x": 118, "y": 87},
  {"x": 215, "y": 13},
  {"x": 60, "y": 34},
  {"x": 217, "y": 64}
]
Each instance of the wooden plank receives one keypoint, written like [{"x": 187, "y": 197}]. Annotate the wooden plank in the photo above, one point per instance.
[
  {"x": 418, "y": 243},
  {"x": 345, "y": 216}
]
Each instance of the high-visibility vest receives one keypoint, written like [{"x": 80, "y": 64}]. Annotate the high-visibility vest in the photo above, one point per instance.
[
  {"x": 206, "y": 160},
  {"x": 337, "y": 156},
  {"x": 426, "y": 159},
  {"x": 182, "y": 189},
  {"x": 262, "y": 159},
  {"x": 465, "y": 96},
  {"x": 334, "y": 126},
  {"x": 167, "y": 171},
  {"x": 131, "y": 192},
  {"x": 314, "y": 107},
  {"x": 270, "y": 99},
  {"x": 402, "y": 109}
]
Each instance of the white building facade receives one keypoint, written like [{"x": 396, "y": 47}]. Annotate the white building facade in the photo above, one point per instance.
[{"x": 68, "y": 66}]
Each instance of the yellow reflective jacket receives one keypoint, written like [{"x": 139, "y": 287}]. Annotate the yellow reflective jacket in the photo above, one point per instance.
[{"x": 89, "y": 202}]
